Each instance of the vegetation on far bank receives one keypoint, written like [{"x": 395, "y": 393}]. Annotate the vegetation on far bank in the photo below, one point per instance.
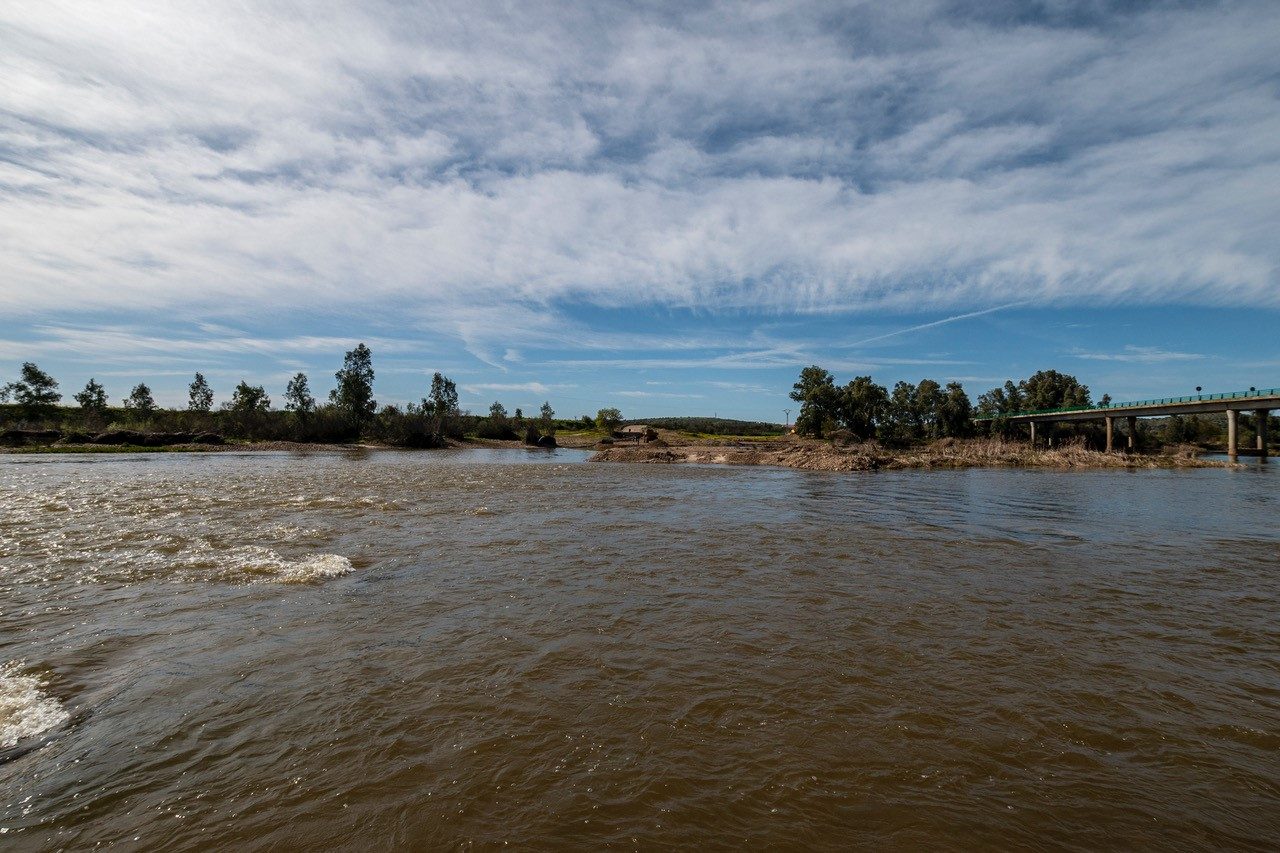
[
  {"x": 713, "y": 426},
  {"x": 912, "y": 414},
  {"x": 908, "y": 414},
  {"x": 32, "y": 405}
]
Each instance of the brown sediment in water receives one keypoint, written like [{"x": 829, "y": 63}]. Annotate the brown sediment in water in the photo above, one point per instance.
[
  {"x": 490, "y": 648},
  {"x": 813, "y": 455}
]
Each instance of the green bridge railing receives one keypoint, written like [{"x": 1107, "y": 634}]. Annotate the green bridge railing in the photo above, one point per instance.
[{"x": 1161, "y": 401}]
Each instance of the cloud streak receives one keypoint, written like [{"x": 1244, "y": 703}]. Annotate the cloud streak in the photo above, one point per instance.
[
  {"x": 922, "y": 326},
  {"x": 529, "y": 387},
  {"x": 1140, "y": 355},
  {"x": 659, "y": 395}
]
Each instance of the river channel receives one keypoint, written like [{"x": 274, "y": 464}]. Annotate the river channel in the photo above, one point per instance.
[{"x": 365, "y": 650}]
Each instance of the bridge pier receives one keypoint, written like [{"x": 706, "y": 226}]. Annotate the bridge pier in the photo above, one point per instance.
[
  {"x": 1133, "y": 433},
  {"x": 1033, "y": 433},
  {"x": 1233, "y": 433},
  {"x": 1110, "y": 432},
  {"x": 1262, "y": 415}
]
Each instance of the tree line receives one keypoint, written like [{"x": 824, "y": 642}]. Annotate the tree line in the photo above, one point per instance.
[
  {"x": 1050, "y": 389},
  {"x": 350, "y": 411},
  {"x": 1045, "y": 389},
  {"x": 712, "y": 426},
  {"x": 863, "y": 410}
]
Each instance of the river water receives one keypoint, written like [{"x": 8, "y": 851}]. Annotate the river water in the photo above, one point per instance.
[{"x": 426, "y": 650}]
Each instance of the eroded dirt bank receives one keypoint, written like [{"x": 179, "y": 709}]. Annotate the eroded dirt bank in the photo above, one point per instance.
[{"x": 814, "y": 455}]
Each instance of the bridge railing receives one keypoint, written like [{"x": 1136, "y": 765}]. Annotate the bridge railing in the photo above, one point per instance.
[
  {"x": 1134, "y": 404},
  {"x": 1196, "y": 398}
]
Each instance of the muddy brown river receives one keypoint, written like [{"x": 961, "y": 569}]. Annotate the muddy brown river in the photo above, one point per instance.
[{"x": 441, "y": 649}]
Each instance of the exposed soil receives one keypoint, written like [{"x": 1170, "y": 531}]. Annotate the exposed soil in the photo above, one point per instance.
[
  {"x": 813, "y": 455},
  {"x": 788, "y": 452}
]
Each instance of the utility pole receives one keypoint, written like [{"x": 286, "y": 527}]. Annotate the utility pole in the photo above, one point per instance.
[{"x": 787, "y": 412}]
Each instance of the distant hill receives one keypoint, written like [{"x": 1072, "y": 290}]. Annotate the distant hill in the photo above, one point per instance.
[{"x": 712, "y": 426}]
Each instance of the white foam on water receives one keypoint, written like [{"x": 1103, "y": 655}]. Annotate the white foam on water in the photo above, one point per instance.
[
  {"x": 25, "y": 709},
  {"x": 315, "y": 568},
  {"x": 289, "y": 532},
  {"x": 256, "y": 563}
]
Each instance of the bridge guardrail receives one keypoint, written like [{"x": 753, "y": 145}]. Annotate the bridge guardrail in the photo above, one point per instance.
[{"x": 1162, "y": 401}]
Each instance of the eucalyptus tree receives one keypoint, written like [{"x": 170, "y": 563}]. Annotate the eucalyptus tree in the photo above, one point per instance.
[
  {"x": 901, "y": 423},
  {"x": 93, "y": 399},
  {"x": 955, "y": 413},
  {"x": 36, "y": 392},
  {"x": 1042, "y": 390},
  {"x": 442, "y": 402},
  {"x": 1049, "y": 389},
  {"x": 297, "y": 396},
  {"x": 608, "y": 420},
  {"x": 354, "y": 395},
  {"x": 199, "y": 394},
  {"x": 819, "y": 401},
  {"x": 1014, "y": 397},
  {"x": 140, "y": 400},
  {"x": 862, "y": 406},
  {"x": 546, "y": 419},
  {"x": 245, "y": 414},
  {"x": 248, "y": 398},
  {"x": 925, "y": 405}
]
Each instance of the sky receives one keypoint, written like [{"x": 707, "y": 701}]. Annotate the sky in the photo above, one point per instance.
[{"x": 666, "y": 207}]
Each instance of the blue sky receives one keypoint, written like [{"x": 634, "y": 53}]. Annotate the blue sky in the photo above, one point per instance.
[{"x": 670, "y": 208}]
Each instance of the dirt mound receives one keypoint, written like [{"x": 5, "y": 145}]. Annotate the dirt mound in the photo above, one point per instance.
[{"x": 870, "y": 456}]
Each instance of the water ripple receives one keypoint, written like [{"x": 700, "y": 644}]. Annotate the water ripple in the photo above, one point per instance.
[{"x": 514, "y": 648}]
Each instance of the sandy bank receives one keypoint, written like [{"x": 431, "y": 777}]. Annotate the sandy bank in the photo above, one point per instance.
[{"x": 813, "y": 455}]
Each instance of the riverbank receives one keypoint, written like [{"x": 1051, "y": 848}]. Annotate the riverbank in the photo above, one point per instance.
[
  {"x": 813, "y": 455},
  {"x": 789, "y": 452},
  {"x": 229, "y": 447},
  {"x": 265, "y": 446}
]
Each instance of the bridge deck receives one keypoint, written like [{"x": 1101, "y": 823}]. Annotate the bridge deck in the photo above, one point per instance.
[{"x": 1241, "y": 401}]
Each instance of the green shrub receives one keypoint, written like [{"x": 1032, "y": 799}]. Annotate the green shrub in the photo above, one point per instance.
[{"x": 488, "y": 428}]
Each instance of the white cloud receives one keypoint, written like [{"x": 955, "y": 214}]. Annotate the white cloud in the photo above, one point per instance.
[
  {"x": 743, "y": 387},
  {"x": 484, "y": 168},
  {"x": 660, "y": 394},
  {"x": 130, "y": 345},
  {"x": 1140, "y": 355},
  {"x": 530, "y": 387}
]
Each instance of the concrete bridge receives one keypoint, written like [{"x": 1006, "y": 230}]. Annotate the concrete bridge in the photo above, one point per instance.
[{"x": 1259, "y": 402}]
